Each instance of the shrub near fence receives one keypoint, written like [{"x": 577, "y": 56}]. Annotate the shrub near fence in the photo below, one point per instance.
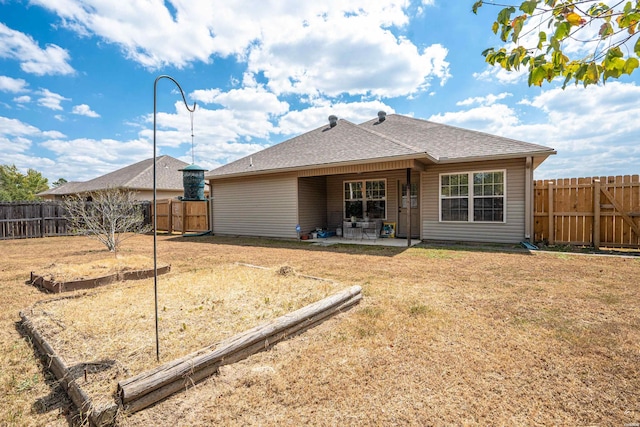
[
  {"x": 22, "y": 220},
  {"x": 596, "y": 211}
]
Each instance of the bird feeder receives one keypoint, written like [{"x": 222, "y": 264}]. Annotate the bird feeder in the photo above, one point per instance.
[{"x": 193, "y": 182}]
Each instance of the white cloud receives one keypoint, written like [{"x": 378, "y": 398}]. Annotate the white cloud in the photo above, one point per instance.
[
  {"x": 22, "y": 99},
  {"x": 51, "y": 100},
  {"x": 328, "y": 47},
  {"x": 495, "y": 118},
  {"x": 84, "y": 110},
  {"x": 503, "y": 76},
  {"x": 14, "y": 127},
  {"x": 20, "y": 47},
  {"x": 85, "y": 158},
  {"x": 24, "y": 162},
  {"x": 16, "y": 138},
  {"x": 350, "y": 55},
  {"x": 9, "y": 84},
  {"x": 246, "y": 99},
  {"x": 484, "y": 100},
  {"x": 593, "y": 129}
]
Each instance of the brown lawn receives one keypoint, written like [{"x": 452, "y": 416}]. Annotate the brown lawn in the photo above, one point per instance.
[{"x": 443, "y": 335}]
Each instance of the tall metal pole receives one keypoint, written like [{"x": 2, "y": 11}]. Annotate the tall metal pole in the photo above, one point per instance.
[{"x": 155, "y": 205}]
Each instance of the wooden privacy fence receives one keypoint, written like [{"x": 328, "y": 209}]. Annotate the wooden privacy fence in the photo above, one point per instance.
[
  {"x": 182, "y": 216},
  {"x": 22, "y": 220},
  {"x": 596, "y": 211}
]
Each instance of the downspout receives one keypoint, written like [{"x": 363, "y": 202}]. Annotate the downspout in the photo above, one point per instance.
[
  {"x": 408, "y": 207},
  {"x": 528, "y": 199},
  {"x": 210, "y": 206}
]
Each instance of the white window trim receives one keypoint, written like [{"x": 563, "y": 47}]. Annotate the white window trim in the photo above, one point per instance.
[
  {"x": 471, "y": 197},
  {"x": 364, "y": 193}
]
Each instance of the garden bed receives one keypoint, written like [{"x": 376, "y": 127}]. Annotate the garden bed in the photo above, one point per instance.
[
  {"x": 68, "y": 277},
  {"x": 91, "y": 354}
]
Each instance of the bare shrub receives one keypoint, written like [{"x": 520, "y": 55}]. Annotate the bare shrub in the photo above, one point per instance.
[{"x": 112, "y": 216}]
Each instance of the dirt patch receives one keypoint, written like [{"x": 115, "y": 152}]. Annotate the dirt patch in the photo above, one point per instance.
[{"x": 443, "y": 336}]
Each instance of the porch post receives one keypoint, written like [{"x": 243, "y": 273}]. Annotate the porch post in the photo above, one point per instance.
[{"x": 408, "y": 207}]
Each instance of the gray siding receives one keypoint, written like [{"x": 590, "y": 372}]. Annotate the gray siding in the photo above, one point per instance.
[
  {"x": 312, "y": 203},
  {"x": 512, "y": 231},
  {"x": 261, "y": 206}
]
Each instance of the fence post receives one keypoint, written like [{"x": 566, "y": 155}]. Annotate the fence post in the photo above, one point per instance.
[
  {"x": 184, "y": 216},
  {"x": 552, "y": 223},
  {"x": 596, "y": 214},
  {"x": 41, "y": 219}
]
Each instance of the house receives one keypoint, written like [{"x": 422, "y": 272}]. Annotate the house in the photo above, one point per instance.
[
  {"x": 137, "y": 177},
  {"x": 464, "y": 185}
]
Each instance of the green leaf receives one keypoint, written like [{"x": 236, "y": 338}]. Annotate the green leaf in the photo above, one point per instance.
[
  {"x": 630, "y": 65},
  {"x": 559, "y": 60},
  {"x": 506, "y": 30},
  {"x": 582, "y": 70},
  {"x": 487, "y": 51},
  {"x": 514, "y": 60},
  {"x": 536, "y": 76},
  {"x": 529, "y": 7},
  {"x": 598, "y": 9},
  {"x": 614, "y": 52},
  {"x": 606, "y": 30},
  {"x": 495, "y": 27},
  {"x": 592, "y": 75},
  {"x": 504, "y": 16},
  {"x": 636, "y": 47},
  {"x": 476, "y": 6},
  {"x": 542, "y": 39},
  {"x": 562, "y": 31},
  {"x": 517, "y": 24}
]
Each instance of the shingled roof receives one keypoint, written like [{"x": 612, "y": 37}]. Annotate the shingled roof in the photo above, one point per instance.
[
  {"x": 138, "y": 176},
  {"x": 396, "y": 137}
]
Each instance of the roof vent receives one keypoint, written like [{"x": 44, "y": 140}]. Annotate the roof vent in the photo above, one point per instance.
[
  {"x": 333, "y": 120},
  {"x": 381, "y": 116}
]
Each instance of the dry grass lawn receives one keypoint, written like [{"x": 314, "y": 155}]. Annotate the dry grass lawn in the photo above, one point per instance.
[{"x": 443, "y": 335}]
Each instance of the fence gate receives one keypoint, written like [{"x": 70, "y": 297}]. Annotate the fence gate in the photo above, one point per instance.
[
  {"x": 182, "y": 216},
  {"x": 596, "y": 211}
]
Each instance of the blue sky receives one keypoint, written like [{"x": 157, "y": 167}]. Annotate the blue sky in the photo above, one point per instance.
[{"x": 76, "y": 82}]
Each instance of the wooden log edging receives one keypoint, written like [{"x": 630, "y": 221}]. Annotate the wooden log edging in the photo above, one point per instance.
[
  {"x": 97, "y": 416},
  {"x": 147, "y": 388},
  {"x": 57, "y": 287}
]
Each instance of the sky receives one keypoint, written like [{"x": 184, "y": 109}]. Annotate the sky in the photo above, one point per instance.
[{"x": 77, "y": 82}]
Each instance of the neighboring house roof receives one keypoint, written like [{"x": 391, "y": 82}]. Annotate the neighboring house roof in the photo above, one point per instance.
[
  {"x": 394, "y": 138},
  {"x": 66, "y": 188},
  {"x": 138, "y": 176}
]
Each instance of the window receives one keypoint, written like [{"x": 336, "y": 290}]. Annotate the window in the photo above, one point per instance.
[
  {"x": 365, "y": 198},
  {"x": 473, "y": 197}
]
